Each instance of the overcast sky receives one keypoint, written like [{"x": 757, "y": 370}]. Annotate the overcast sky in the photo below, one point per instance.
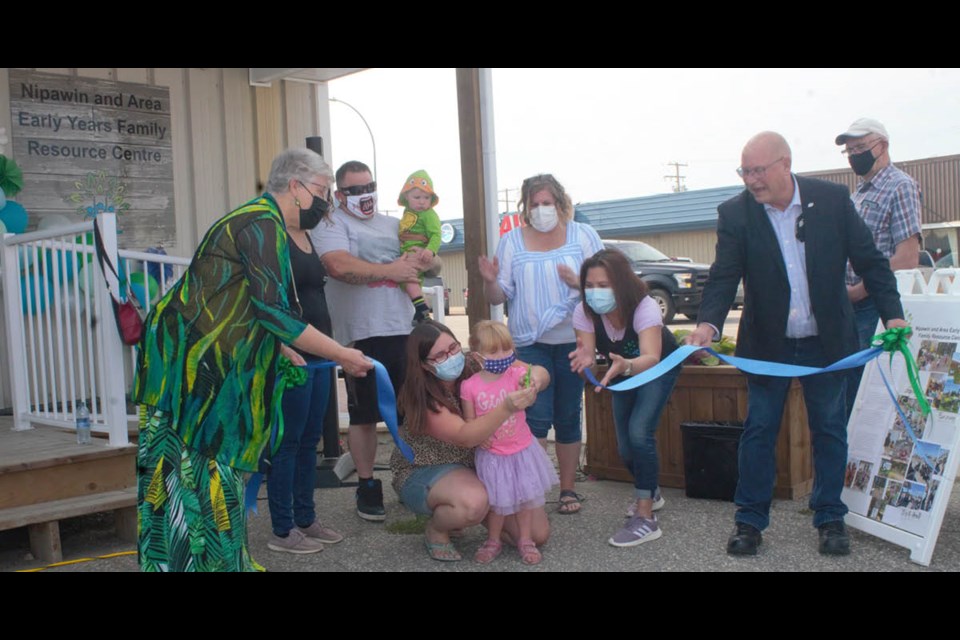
[{"x": 609, "y": 133}]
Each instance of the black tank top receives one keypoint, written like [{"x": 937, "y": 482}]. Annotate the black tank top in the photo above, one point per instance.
[
  {"x": 309, "y": 277},
  {"x": 629, "y": 345}
]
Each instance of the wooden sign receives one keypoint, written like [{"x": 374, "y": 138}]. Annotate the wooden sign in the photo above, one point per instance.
[{"x": 87, "y": 146}]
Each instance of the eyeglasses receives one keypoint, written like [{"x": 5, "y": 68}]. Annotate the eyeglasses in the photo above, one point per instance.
[
  {"x": 746, "y": 172},
  {"x": 324, "y": 189},
  {"x": 360, "y": 189},
  {"x": 860, "y": 148},
  {"x": 799, "y": 231},
  {"x": 452, "y": 351}
]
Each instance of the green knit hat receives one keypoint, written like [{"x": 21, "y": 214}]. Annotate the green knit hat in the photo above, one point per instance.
[{"x": 417, "y": 180}]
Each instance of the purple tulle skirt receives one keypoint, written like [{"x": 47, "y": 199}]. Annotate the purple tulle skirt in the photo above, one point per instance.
[{"x": 517, "y": 481}]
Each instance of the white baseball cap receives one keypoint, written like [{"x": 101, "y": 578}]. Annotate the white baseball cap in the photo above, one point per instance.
[{"x": 863, "y": 127}]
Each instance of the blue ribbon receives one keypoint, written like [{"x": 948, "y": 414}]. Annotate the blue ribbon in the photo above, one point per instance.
[
  {"x": 748, "y": 365},
  {"x": 386, "y": 402},
  {"x": 762, "y": 368}
]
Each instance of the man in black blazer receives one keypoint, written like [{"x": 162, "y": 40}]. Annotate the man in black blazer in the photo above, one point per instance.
[{"x": 789, "y": 238}]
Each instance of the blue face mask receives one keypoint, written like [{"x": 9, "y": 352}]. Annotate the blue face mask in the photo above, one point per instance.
[
  {"x": 499, "y": 365},
  {"x": 449, "y": 369},
  {"x": 601, "y": 300}
]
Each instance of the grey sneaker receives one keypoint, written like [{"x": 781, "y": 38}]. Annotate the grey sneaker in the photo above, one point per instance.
[
  {"x": 319, "y": 532},
  {"x": 658, "y": 502},
  {"x": 636, "y": 531},
  {"x": 295, "y": 542}
]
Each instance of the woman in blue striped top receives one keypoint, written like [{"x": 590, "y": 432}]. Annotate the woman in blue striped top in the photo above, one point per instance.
[{"x": 536, "y": 270}]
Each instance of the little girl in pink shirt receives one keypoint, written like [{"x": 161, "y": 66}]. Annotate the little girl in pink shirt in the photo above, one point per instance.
[{"x": 512, "y": 465}]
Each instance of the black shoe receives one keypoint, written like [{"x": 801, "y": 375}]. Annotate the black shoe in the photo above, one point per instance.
[
  {"x": 421, "y": 315},
  {"x": 834, "y": 539},
  {"x": 370, "y": 501},
  {"x": 744, "y": 540}
]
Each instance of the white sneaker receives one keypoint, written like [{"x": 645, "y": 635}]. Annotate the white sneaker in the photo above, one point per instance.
[{"x": 658, "y": 502}]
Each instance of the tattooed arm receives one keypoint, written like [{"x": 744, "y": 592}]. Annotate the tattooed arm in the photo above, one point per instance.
[{"x": 348, "y": 268}]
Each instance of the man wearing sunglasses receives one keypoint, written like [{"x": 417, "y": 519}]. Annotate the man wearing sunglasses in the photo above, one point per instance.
[
  {"x": 360, "y": 249},
  {"x": 888, "y": 200},
  {"x": 790, "y": 238}
]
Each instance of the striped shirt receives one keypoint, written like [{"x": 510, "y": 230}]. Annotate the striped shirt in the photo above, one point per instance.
[
  {"x": 890, "y": 206},
  {"x": 541, "y": 303},
  {"x": 800, "y": 321}
]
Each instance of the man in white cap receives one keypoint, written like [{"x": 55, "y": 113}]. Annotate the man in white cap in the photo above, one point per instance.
[{"x": 888, "y": 200}]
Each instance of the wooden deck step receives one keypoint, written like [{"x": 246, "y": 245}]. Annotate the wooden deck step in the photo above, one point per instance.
[{"x": 43, "y": 519}]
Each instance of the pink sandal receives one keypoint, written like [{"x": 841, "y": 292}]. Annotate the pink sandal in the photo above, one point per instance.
[
  {"x": 488, "y": 552},
  {"x": 528, "y": 551}
]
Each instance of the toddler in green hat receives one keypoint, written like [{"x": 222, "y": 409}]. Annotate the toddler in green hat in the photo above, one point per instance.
[{"x": 419, "y": 227}]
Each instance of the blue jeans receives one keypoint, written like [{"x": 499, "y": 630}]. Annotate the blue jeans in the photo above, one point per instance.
[
  {"x": 636, "y": 415},
  {"x": 559, "y": 404},
  {"x": 867, "y": 316},
  {"x": 824, "y": 396},
  {"x": 416, "y": 490},
  {"x": 293, "y": 470}
]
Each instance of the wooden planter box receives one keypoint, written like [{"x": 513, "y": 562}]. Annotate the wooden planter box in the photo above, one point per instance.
[{"x": 702, "y": 394}]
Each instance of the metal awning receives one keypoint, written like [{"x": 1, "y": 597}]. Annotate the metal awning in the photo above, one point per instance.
[{"x": 264, "y": 77}]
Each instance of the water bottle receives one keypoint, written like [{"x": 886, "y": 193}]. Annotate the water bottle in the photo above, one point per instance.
[{"x": 83, "y": 424}]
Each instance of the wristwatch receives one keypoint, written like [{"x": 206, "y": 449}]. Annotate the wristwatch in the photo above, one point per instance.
[{"x": 629, "y": 370}]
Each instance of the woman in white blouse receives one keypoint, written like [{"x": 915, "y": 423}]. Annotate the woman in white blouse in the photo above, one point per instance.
[{"x": 536, "y": 270}]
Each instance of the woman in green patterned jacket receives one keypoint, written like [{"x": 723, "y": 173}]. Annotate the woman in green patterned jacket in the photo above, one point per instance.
[{"x": 207, "y": 379}]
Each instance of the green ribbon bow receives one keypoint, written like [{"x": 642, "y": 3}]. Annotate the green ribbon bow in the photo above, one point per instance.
[
  {"x": 894, "y": 340},
  {"x": 292, "y": 375}
]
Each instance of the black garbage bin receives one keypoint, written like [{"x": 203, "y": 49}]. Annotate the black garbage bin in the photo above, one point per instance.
[{"x": 710, "y": 458}]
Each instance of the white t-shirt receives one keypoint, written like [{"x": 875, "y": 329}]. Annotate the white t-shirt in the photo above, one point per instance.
[
  {"x": 361, "y": 311},
  {"x": 647, "y": 315}
]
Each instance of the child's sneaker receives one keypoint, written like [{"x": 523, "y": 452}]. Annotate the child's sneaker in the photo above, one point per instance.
[
  {"x": 295, "y": 542},
  {"x": 636, "y": 530}
]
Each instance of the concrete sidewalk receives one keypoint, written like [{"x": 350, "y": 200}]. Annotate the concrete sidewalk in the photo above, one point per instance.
[{"x": 694, "y": 538}]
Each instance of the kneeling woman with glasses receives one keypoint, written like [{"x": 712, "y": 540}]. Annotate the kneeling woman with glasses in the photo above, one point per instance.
[{"x": 441, "y": 481}]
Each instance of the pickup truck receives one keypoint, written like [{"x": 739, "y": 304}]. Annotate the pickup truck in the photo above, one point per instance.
[{"x": 676, "y": 285}]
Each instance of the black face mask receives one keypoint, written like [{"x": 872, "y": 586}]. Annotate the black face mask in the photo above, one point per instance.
[
  {"x": 309, "y": 218},
  {"x": 861, "y": 163}
]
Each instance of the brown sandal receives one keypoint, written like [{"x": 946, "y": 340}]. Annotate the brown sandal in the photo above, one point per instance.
[
  {"x": 529, "y": 552},
  {"x": 572, "y": 503}
]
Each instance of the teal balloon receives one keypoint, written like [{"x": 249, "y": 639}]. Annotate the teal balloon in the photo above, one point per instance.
[
  {"x": 60, "y": 262},
  {"x": 31, "y": 301},
  {"x": 144, "y": 287},
  {"x": 14, "y": 217},
  {"x": 25, "y": 257}
]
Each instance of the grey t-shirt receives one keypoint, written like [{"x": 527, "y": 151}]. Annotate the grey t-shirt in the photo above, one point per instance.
[{"x": 365, "y": 310}]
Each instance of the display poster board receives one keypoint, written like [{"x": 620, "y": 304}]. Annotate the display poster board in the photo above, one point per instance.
[{"x": 896, "y": 486}]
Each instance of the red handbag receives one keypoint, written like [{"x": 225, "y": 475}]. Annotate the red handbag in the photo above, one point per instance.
[{"x": 127, "y": 313}]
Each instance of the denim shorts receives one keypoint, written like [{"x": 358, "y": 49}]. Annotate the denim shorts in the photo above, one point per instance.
[{"x": 415, "y": 490}]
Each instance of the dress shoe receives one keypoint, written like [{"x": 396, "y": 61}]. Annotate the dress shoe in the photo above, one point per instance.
[
  {"x": 834, "y": 539},
  {"x": 744, "y": 540}
]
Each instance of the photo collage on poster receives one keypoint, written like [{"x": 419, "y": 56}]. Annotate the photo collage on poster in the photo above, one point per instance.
[{"x": 901, "y": 486}]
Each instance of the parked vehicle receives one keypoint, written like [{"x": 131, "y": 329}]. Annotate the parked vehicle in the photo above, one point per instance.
[
  {"x": 676, "y": 286},
  {"x": 437, "y": 281}
]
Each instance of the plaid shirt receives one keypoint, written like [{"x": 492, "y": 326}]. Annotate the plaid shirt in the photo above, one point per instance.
[{"x": 890, "y": 205}]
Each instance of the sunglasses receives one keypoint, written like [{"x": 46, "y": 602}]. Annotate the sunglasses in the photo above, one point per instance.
[{"x": 359, "y": 189}]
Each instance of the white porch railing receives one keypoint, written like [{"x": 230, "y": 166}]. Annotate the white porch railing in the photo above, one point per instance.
[{"x": 62, "y": 342}]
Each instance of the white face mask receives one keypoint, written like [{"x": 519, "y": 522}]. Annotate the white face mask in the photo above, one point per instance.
[
  {"x": 544, "y": 218},
  {"x": 363, "y": 206}
]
